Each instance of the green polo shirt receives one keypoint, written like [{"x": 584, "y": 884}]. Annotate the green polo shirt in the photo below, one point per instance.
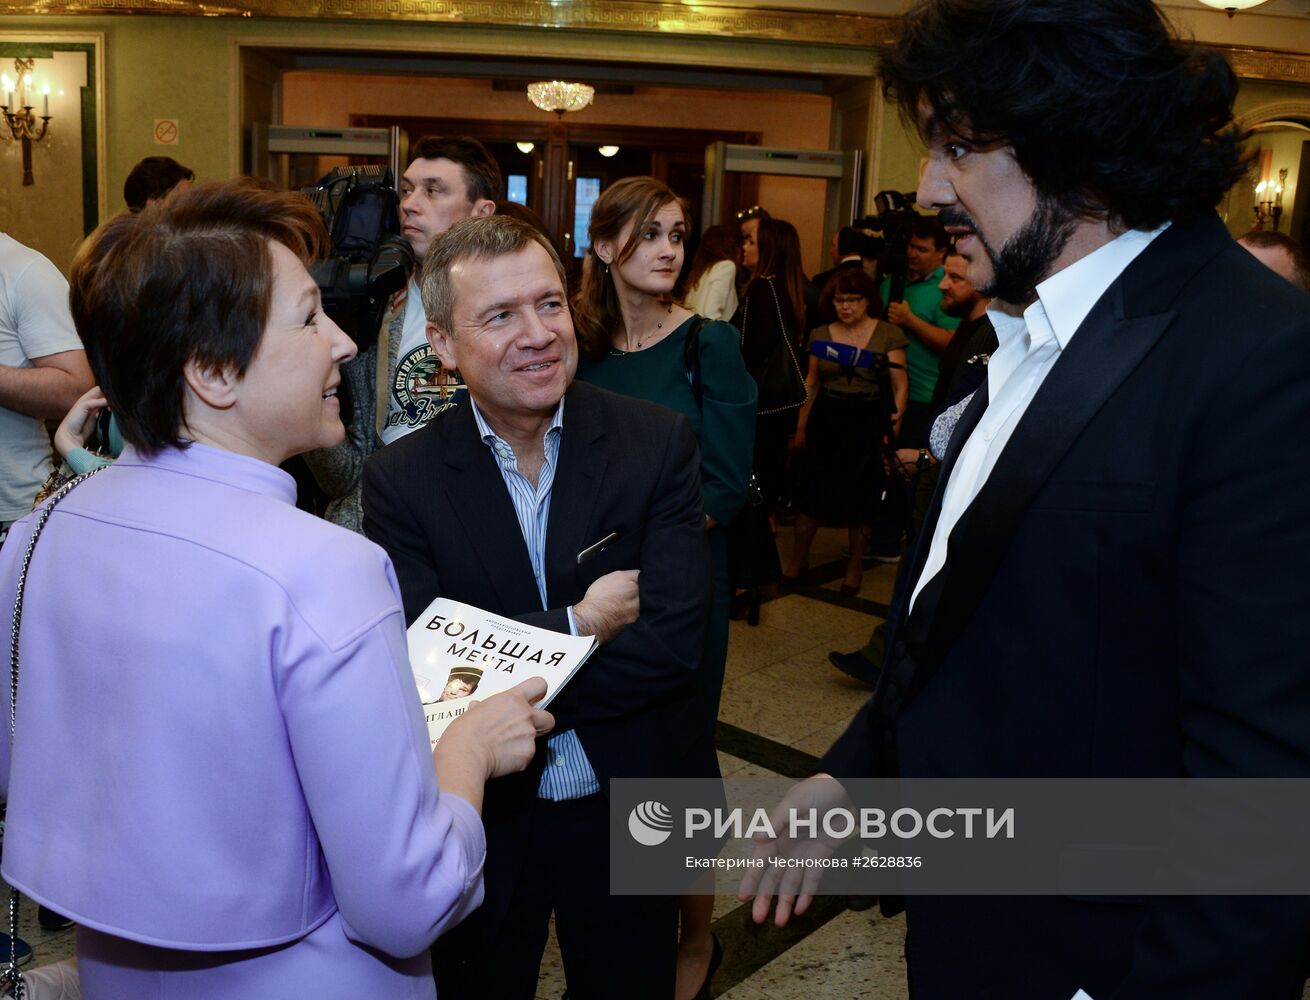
[{"x": 925, "y": 301}]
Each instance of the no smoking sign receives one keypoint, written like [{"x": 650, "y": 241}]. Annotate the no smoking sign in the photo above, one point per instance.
[{"x": 165, "y": 131}]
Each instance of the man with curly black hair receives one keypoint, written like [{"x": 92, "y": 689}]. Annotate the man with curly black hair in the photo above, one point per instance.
[{"x": 1111, "y": 580}]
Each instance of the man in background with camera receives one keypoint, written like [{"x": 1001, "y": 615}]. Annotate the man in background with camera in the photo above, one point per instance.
[{"x": 450, "y": 178}]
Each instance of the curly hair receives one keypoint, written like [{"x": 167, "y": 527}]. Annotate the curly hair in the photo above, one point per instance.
[{"x": 1106, "y": 112}]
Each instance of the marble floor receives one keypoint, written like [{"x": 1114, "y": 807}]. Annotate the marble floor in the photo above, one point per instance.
[{"x": 784, "y": 705}]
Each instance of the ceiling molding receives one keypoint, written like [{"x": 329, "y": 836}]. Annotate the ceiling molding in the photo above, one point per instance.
[
  {"x": 1265, "y": 64},
  {"x": 1278, "y": 111},
  {"x": 642, "y": 16}
]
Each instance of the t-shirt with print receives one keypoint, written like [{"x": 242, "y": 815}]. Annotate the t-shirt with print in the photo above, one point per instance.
[
  {"x": 34, "y": 323},
  {"x": 419, "y": 384}
]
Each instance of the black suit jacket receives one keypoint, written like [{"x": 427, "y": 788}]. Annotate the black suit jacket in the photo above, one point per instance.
[
  {"x": 435, "y": 500},
  {"x": 1126, "y": 597}
]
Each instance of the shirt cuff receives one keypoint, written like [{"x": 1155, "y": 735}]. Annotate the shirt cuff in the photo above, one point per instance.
[
  {"x": 573, "y": 622},
  {"x": 80, "y": 460}
]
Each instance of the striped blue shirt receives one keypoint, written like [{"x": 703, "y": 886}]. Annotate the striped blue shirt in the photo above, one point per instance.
[{"x": 568, "y": 773}]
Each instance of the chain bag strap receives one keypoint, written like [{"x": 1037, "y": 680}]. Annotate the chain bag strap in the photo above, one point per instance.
[{"x": 12, "y": 977}]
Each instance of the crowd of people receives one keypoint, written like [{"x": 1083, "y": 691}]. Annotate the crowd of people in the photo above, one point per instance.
[{"x": 257, "y": 804}]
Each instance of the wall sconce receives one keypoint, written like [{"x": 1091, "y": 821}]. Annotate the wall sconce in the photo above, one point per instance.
[
  {"x": 525, "y": 147},
  {"x": 1269, "y": 200},
  {"x": 20, "y": 122},
  {"x": 607, "y": 151}
]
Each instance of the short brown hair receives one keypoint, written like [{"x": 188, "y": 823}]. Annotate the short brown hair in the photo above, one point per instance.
[
  {"x": 851, "y": 281},
  {"x": 1268, "y": 239},
  {"x": 188, "y": 278},
  {"x": 484, "y": 238},
  {"x": 482, "y": 177}
]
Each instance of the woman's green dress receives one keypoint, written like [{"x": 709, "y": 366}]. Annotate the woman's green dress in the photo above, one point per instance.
[{"x": 724, "y": 422}]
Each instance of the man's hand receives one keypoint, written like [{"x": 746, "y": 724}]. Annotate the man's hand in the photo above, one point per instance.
[
  {"x": 493, "y": 738},
  {"x": 794, "y": 887},
  {"x": 899, "y": 313},
  {"x": 609, "y": 604},
  {"x": 907, "y": 461}
]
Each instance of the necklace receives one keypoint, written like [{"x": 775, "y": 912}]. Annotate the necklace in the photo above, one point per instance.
[{"x": 645, "y": 336}]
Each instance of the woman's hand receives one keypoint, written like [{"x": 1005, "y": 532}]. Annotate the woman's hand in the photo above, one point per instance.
[
  {"x": 493, "y": 738},
  {"x": 80, "y": 422},
  {"x": 499, "y": 735}
]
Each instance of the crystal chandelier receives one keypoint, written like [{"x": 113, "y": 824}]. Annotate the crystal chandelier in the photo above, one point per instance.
[{"x": 559, "y": 96}]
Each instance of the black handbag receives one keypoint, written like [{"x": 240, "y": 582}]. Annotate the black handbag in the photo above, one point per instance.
[
  {"x": 780, "y": 380},
  {"x": 753, "y": 559}
]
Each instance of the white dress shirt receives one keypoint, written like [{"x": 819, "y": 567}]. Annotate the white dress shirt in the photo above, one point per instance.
[{"x": 1028, "y": 348}]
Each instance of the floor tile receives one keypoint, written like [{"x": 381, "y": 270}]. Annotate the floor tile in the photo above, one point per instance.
[{"x": 853, "y": 955}]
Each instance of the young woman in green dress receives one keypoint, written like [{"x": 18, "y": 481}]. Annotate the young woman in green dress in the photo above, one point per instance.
[{"x": 633, "y": 339}]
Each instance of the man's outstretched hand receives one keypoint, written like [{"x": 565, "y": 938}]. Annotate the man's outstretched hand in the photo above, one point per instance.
[{"x": 794, "y": 887}]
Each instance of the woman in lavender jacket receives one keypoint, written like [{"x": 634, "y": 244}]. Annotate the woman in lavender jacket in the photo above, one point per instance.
[{"x": 221, "y": 769}]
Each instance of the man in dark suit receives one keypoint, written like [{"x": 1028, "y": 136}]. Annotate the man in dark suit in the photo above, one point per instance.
[
  {"x": 846, "y": 246},
  {"x": 574, "y": 509},
  {"x": 1111, "y": 579}
]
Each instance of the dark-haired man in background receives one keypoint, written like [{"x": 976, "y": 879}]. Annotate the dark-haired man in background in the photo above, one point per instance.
[
  {"x": 450, "y": 178},
  {"x": 926, "y": 325},
  {"x": 1111, "y": 579},
  {"x": 845, "y": 252},
  {"x": 153, "y": 178}
]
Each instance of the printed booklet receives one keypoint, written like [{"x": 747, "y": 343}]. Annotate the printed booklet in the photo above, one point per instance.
[{"x": 462, "y": 654}]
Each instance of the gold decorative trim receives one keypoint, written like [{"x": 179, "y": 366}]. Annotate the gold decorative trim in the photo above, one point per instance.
[
  {"x": 1262, "y": 64},
  {"x": 690, "y": 17},
  {"x": 1277, "y": 111}
]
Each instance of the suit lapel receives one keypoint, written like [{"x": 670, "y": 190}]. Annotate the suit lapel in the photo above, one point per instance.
[
  {"x": 477, "y": 493},
  {"x": 923, "y": 540},
  {"x": 579, "y": 472},
  {"x": 1112, "y": 341}
]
